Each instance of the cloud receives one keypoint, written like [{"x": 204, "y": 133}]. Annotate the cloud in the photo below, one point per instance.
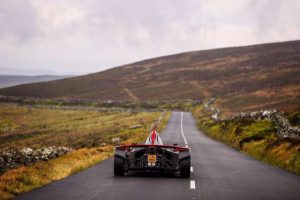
[
  {"x": 17, "y": 20},
  {"x": 93, "y": 35}
]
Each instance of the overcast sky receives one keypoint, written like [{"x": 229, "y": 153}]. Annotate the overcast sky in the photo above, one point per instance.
[{"x": 76, "y": 36}]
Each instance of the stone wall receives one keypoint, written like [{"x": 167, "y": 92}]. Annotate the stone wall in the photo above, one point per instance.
[
  {"x": 208, "y": 107},
  {"x": 12, "y": 158},
  {"x": 283, "y": 126}
]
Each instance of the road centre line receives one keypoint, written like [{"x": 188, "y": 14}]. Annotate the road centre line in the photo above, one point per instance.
[
  {"x": 192, "y": 184},
  {"x": 182, "y": 133}
]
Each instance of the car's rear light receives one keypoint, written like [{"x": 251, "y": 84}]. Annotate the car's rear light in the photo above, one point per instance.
[
  {"x": 180, "y": 149},
  {"x": 122, "y": 147}
]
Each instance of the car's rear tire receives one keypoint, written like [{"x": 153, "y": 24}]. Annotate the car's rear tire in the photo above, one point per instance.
[
  {"x": 119, "y": 166},
  {"x": 185, "y": 168}
]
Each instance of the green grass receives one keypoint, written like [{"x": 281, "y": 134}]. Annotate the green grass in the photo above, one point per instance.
[
  {"x": 294, "y": 118},
  {"x": 21, "y": 127},
  {"x": 255, "y": 138}
]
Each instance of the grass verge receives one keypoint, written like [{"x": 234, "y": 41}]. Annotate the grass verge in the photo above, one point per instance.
[
  {"x": 26, "y": 178},
  {"x": 255, "y": 138}
]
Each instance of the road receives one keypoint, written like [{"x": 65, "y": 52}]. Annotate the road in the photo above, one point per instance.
[{"x": 218, "y": 172}]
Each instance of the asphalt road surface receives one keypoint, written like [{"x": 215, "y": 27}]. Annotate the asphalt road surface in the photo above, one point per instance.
[{"x": 217, "y": 172}]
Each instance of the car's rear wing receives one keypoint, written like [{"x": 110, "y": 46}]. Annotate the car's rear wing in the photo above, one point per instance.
[{"x": 174, "y": 147}]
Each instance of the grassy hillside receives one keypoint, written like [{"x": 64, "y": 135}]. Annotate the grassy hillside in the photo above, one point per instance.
[{"x": 267, "y": 75}]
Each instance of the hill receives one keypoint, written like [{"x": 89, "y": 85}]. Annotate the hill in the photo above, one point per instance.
[
  {"x": 12, "y": 80},
  {"x": 244, "y": 78},
  {"x": 25, "y": 72}
]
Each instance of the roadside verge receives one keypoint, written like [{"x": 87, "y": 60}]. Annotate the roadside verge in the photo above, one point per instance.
[{"x": 256, "y": 138}]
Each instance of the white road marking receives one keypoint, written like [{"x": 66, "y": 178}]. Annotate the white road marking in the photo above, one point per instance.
[
  {"x": 192, "y": 184},
  {"x": 182, "y": 133}
]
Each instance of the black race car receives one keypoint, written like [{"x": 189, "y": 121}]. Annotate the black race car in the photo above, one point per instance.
[{"x": 152, "y": 157}]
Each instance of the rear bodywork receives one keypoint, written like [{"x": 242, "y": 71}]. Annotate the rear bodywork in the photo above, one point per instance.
[{"x": 158, "y": 158}]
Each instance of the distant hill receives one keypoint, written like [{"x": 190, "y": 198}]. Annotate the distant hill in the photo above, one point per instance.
[
  {"x": 25, "y": 72},
  {"x": 10, "y": 80},
  {"x": 250, "y": 77}
]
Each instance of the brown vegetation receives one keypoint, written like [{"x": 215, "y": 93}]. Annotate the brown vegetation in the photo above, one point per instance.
[{"x": 268, "y": 75}]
